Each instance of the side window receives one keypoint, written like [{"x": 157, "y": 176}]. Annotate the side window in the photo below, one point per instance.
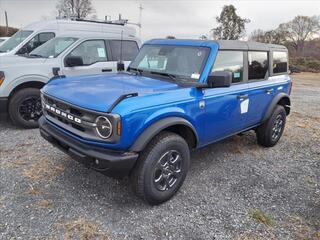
[
  {"x": 36, "y": 41},
  {"x": 280, "y": 62},
  {"x": 230, "y": 61},
  {"x": 129, "y": 50},
  {"x": 257, "y": 65},
  {"x": 90, "y": 51}
]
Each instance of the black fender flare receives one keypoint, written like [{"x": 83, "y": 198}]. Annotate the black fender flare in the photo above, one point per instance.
[
  {"x": 276, "y": 99},
  {"x": 151, "y": 131}
]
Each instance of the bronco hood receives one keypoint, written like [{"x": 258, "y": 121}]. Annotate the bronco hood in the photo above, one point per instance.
[{"x": 99, "y": 92}]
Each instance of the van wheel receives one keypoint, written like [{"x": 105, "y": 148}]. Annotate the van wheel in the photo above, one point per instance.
[
  {"x": 25, "y": 108},
  {"x": 161, "y": 168},
  {"x": 269, "y": 133}
]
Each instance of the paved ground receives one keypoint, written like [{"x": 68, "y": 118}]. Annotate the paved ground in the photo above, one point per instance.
[{"x": 235, "y": 189}]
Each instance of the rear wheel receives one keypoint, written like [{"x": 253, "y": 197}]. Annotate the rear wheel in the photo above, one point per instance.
[
  {"x": 269, "y": 133},
  {"x": 25, "y": 108},
  {"x": 161, "y": 168}
]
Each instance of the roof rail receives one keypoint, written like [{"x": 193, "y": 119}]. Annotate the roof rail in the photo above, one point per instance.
[{"x": 121, "y": 22}]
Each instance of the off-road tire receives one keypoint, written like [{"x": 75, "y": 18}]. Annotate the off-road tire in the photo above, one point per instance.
[
  {"x": 15, "y": 102},
  {"x": 144, "y": 173},
  {"x": 265, "y": 131}
]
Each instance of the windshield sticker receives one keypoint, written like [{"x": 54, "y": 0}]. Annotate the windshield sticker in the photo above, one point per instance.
[
  {"x": 195, "y": 75},
  {"x": 244, "y": 105},
  {"x": 236, "y": 75},
  {"x": 101, "y": 52}
]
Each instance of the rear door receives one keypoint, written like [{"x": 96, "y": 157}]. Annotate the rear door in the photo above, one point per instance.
[
  {"x": 95, "y": 58},
  {"x": 261, "y": 89}
]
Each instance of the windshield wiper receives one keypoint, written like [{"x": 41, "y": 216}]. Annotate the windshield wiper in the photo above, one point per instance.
[
  {"x": 136, "y": 70},
  {"x": 171, "y": 76}
]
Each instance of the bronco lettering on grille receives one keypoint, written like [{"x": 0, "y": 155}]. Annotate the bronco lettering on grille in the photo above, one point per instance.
[{"x": 62, "y": 114}]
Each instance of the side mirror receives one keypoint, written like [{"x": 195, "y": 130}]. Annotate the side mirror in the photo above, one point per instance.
[
  {"x": 73, "y": 61},
  {"x": 219, "y": 79}
]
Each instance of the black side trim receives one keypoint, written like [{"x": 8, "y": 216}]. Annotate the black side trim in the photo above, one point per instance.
[
  {"x": 124, "y": 96},
  {"x": 156, "y": 128},
  {"x": 4, "y": 105},
  {"x": 274, "y": 103}
]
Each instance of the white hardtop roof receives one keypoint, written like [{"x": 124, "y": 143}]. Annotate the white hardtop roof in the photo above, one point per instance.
[{"x": 65, "y": 25}]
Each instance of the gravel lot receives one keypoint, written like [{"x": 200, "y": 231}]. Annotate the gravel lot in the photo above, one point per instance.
[{"x": 234, "y": 190}]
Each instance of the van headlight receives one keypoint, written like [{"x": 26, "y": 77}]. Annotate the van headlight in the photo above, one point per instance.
[{"x": 103, "y": 127}]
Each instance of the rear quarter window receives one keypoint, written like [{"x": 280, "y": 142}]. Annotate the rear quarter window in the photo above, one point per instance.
[{"x": 280, "y": 62}]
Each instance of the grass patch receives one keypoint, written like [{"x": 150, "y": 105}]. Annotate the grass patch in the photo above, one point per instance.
[
  {"x": 261, "y": 217},
  {"x": 45, "y": 203},
  {"x": 84, "y": 230},
  {"x": 43, "y": 169}
]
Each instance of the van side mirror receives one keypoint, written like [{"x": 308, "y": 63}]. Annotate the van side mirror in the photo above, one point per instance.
[
  {"x": 219, "y": 79},
  {"x": 120, "y": 66},
  {"x": 73, "y": 61}
]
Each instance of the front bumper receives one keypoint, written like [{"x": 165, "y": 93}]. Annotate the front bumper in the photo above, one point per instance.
[
  {"x": 109, "y": 162},
  {"x": 3, "y": 105}
]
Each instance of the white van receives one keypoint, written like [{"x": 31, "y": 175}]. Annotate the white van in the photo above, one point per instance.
[
  {"x": 22, "y": 77},
  {"x": 37, "y": 33}
]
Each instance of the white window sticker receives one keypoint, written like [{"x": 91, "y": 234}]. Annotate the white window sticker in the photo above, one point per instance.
[
  {"x": 195, "y": 75},
  {"x": 244, "y": 105},
  {"x": 101, "y": 52}
]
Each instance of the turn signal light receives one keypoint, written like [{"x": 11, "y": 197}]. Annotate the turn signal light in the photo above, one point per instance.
[
  {"x": 1, "y": 77},
  {"x": 119, "y": 128}
]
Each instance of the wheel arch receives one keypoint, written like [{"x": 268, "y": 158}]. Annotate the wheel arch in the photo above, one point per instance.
[
  {"x": 282, "y": 99},
  {"x": 29, "y": 84},
  {"x": 176, "y": 125}
]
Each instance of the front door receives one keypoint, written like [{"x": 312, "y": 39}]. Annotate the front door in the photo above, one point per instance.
[
  {"x": 227, "y": 108},
  {"x": 94, "y": 56}
]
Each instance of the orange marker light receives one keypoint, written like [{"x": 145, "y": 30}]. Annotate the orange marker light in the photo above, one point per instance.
[{"x": 119, "y": 128}]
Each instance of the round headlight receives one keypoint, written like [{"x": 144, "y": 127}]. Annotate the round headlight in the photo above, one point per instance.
[{"x": 103, "y": 127}]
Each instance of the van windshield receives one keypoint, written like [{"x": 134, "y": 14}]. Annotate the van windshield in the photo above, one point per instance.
[
  {"x": 15, "y": 40},
  {"x": 53, "y": 47},
  {"x": 183, "y": 62}
]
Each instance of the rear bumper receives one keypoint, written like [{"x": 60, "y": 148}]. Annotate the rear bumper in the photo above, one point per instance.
[
  {"x": 108, "y": 162},
  {"x": 3, "y": 105}
]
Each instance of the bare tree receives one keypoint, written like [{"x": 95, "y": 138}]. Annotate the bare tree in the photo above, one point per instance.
[
  {"x": 230, "y": 25},
  {"x": 299, "y": 30},
  {"x": 74, "y": 8},
  {"x": 272, "y": 36}
]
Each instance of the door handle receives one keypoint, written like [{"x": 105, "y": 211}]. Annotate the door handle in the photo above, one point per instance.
[
  {"x": 242, "y": 97},
  {"x": 106, "y": 70},
  {"x": 269, "y": 91}
]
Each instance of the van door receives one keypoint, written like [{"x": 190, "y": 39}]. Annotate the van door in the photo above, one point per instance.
[
  {"x": 125, "y": 50},
  {"x": 93, "y": 56}
]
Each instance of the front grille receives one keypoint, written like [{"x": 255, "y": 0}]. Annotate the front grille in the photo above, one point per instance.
[
  {"x": 69, "y": 117},
  {"x": 76, "y": 120}
]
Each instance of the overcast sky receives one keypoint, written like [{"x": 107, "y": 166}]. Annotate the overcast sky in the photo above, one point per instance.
[{"x": 181, "y": 18}]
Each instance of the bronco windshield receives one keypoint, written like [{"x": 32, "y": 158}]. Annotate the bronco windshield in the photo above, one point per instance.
[
  {"x": 15, "y": 40},
  {"x": 53, "y": 47},
  {"x": 172, "y": 61}
]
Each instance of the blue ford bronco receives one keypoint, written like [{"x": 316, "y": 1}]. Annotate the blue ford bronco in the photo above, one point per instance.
[{"x": 176, "y": 96}]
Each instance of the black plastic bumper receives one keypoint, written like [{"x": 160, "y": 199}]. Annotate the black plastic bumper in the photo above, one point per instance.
[
  {"x": 3, "y": 105},
  {"x": 106, "y": 161}
]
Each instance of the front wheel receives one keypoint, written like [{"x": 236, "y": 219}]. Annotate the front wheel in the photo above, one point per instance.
[
  {"x": 161, "y": 168},
  {"x": 269, "y": 133},
  {"x": 25, "y": 108}
]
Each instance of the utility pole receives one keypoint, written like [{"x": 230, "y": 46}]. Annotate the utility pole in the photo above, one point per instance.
[{"x": 7, "y": 26}]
